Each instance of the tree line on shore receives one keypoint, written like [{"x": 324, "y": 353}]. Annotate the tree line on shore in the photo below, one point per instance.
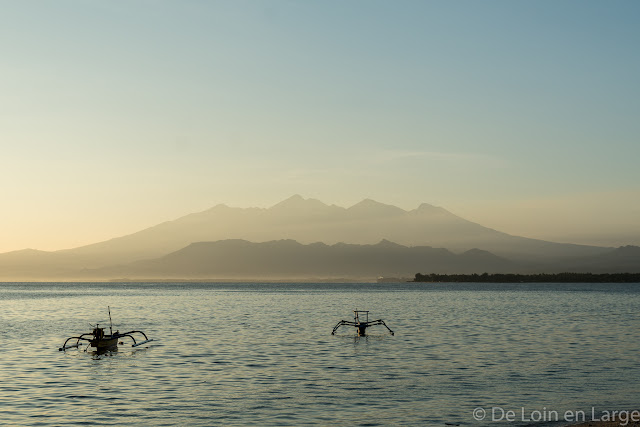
[{"x": 531, "y": 278}]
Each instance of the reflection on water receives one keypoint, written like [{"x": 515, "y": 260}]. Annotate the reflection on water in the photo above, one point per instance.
[{"x": 264, "y": 354}]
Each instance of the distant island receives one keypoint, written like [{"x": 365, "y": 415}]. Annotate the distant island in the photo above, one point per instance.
[{"x": 531, "y": 278}]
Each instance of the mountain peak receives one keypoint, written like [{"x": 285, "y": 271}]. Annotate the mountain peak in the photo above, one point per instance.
[
  {"x": 295, "y": 198},
  {"x": 384, "y": 243},
  {"x": 426, "y": 208},
  {"x": 298, "y": 202},
  {"x": 28, "y": 252},
  {"x": 370, "y": 206}
]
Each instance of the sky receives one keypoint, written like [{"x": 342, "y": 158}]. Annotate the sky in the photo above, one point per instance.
[{"x": 118, "y": 115}]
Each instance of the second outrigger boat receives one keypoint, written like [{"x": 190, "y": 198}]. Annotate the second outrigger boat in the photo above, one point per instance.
[
  {"x": 102, "y": 342},
  {"x": 361, "y": 323}
]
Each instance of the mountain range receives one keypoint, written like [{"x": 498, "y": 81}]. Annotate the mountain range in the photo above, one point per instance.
[
  {"x": 307, "y": 238},
  {"x": 290, "y": 260}
]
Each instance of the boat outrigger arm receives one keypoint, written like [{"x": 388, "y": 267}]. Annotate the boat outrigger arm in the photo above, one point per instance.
[
  {"x": 101, "y": 341},
  {"x": 98, "y": 338},
  {"x": 362, "y": 325}
]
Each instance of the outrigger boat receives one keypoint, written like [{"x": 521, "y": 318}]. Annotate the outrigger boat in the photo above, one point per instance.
[
  {"x": 102, "y": 342},
  {"x": 362, "y": 325}
]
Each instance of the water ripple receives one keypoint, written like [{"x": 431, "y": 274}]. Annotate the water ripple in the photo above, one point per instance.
[{"x": 263, "y": 354}]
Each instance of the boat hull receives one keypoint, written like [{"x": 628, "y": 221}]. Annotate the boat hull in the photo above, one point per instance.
[{"x": 104, "y": 344}]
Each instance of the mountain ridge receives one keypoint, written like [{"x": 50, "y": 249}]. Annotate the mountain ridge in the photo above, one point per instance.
[
  {"x": 306, "y": 221},
  {"x": 286, "y": 259}
]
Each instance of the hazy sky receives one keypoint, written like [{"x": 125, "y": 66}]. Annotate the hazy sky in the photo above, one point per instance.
[{"x": 520, "y": 115}]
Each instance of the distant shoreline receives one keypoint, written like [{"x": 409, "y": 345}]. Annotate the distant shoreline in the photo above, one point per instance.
[
  {"x": 420, "y": 278},
  {"x": 529, "y": 278}
]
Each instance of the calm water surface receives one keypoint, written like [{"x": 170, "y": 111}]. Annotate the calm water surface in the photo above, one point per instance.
[{"x": 263, "y": 354}]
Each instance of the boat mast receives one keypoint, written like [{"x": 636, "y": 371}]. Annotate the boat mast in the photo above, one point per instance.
[{"x": 110, "y": 323}]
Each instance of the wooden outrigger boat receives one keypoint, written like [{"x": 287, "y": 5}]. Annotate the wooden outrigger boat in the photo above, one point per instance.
[
  {"x": 102, "y": 342},
  {"x": 361, "y": 324}
]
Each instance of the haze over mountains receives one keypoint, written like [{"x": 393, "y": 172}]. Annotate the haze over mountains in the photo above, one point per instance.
[
  {"x": 369, "y": 238},
  {"x": 309, "y": 221}
]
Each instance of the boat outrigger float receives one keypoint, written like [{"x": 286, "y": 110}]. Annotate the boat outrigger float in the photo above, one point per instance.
[
  {"x": 362, "y": 325},
  {"x": 102, "y": 342}
]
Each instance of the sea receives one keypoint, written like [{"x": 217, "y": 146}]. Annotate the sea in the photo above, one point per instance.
[{"x": 238, "y": 354}]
